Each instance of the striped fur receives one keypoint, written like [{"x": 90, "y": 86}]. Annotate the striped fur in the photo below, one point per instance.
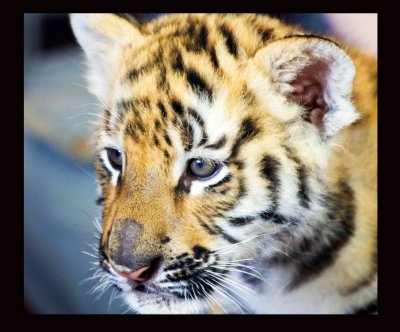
[{"x": 288, "y": 223}]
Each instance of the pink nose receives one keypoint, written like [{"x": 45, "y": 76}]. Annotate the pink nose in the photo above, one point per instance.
[{"x": 138, "y": 275}]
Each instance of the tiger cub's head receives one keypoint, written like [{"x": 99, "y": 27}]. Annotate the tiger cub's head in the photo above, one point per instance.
[{"x": 212, "y": 149}]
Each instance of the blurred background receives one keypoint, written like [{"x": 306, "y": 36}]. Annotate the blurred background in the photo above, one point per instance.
[{"x": 59, "y": 180}]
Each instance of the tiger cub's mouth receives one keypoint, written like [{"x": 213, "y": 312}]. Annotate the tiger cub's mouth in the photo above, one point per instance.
[
  {"x": 148, "y": 289},
  {"x": 184, "y": 278}
]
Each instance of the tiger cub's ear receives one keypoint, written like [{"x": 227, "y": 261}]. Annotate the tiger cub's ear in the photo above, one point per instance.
[
  {"x": 315, "y": 78},
  {"x": 102, "y": 37}
]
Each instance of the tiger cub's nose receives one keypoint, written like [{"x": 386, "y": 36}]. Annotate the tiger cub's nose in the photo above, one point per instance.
[{"x": 127, "y": 256}]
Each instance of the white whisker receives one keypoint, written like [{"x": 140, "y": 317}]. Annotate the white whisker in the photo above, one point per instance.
[
  {"x": 111, "y": 298},
  {"x": 233, "y": 282},
  {"x": 245, "y": 272},
  {"x": 89, "y": 254},
  {"x": 231, "y": 246},
  {"x": 224, "y": 294}
]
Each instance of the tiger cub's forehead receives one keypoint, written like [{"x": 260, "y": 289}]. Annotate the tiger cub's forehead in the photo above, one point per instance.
[
  {"x": 189, "y": 82},
  {"x": 171, "y": 88}
]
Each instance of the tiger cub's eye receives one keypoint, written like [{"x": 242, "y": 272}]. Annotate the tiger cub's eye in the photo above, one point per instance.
[
  {"x": 115, "y": 158},
  {"x": 202, "y": 169}
]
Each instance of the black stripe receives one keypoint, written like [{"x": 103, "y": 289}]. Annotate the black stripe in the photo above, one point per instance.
[
  {"x": 207, "y": 228},
  {"x": 162, "y": 82},
  {"x": 273, "y": 217},
  {"x": 230, "y": 41},
  {"x": 125, "y": 105},
  {"x": 177, "y": 64},
  {"x": 190, "y": 134},
  {"x": 301, "y": 171},
  {"x": 191, "y": 28},
  {"x": 303, "y": 188},
  {"x": 197, "y": 37},
  {"x": 107, "y": 115},
  {"x": 132, "y": 127},
  {"x": 156, "y": 60},
  {"x": 175, "y": 266},
  {"x": 187, "y": 133},
  {"x": 217, "y": 145},
  {"x": 177, "y": 107},
  {"x": 216, "y": 230},
  {"x": 198, "y": 84},
  {"x": 269, "y": 170},
  {"x": 269, "y": 167},
  {"x": 167, "y": 139},
  {"x": 248, "y": 130},
  {"x": 157, "y": 124},
  {"x": 193, "y": 290},
  {"x": 163, "y": 112},
  {"x": 134, "y": 73},
  {"x": 196, "y": 116},
  {"x": 130, "y": 130},
  {"x": 369, "y": 308},
  {"x": 214, "y": 59},
  {"x": 199, "y": 120},
  {"x": 203, "y": 140},
  {"x": 241, "y": 221},
  {"x": 185, "y": 254},
  {"x": 156, "y": 141},
  {"x": 227, "y": 237},
  {"x": 139, "y": 125},
  {"x": 202, "y": 37}
]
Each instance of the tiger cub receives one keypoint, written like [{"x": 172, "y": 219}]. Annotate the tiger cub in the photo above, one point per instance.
[{"x": 237, "y": 162}]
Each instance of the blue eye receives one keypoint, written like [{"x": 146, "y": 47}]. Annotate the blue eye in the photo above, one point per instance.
[{"x": 202, "y": 169}]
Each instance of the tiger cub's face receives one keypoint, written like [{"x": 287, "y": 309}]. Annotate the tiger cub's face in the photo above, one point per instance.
[{"x": 211, "y": 152}]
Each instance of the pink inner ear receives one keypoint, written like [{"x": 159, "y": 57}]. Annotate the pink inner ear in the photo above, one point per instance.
[{"x": 309, "y": 86}]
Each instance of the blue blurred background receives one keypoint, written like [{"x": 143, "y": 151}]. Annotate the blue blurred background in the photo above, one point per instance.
[{"x": 59, "y": 180}]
